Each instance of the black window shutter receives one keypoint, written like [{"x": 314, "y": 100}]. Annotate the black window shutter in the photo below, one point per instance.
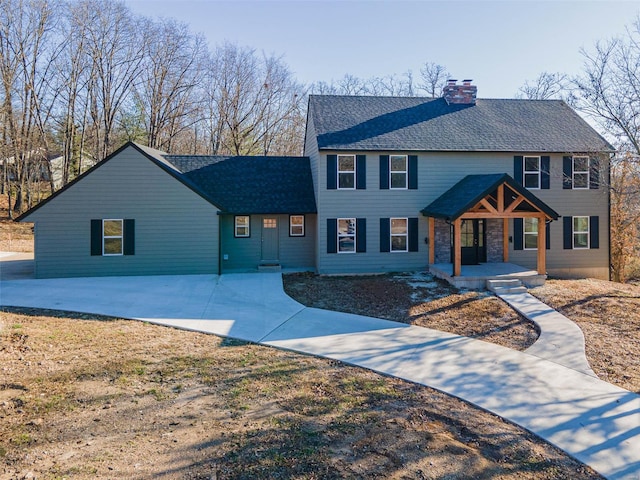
[
  {"x": 594, "y": 232},
  {"x": 518, "y": 234},
  {"x": 96, "y": 237},
  {"x": 413, "y": 173},
  {"x": 361, "y": 235},
  {"x": 567, "y": 232},
  {"x": 332, "y": 172},
  {"x": 517, "y": 169},
  {"x": 594, "y": 173},
  {"x": 413, "y": 234},
  {"x": 385, "y": 234},
  {"x": 548, "y": 236},
  {"x": 545, "y": 172},
  {"x": 332, "y": 235},
  {"x": 384, "y": 172},
  {"x": 361, "y": 172},
  {"x": 129, "y": 233},
  {"x": 567, "y": 173}
]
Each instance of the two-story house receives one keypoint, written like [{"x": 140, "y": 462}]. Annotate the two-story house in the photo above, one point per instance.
[
  {"x": 402, "y": 181},
  {"x": 386, "y": 184}
]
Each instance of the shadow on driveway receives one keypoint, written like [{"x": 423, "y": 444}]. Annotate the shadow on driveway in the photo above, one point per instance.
[{"x": 19, "y": 266}]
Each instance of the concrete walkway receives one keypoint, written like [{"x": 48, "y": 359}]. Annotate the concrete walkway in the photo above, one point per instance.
[
  {"x": 594, "y": 421},
  {"x": 560, "y": 341}
]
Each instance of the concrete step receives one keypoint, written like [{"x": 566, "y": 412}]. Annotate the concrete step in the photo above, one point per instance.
[
  {"x": 269, "y": 267},
  {"x": 507, "y": 290},
  {"x": 505, "y": 286}
]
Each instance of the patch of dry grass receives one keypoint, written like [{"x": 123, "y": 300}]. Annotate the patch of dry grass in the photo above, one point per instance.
[
  {"x": 83, "y": 398},
  {"x": 609, "y": 315},
  {"x": 419, "y": 300},
  {"x": 14, "y": 237}
]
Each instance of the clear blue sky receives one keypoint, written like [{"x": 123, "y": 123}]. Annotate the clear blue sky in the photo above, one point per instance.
[{"x": 499, "y": 45}]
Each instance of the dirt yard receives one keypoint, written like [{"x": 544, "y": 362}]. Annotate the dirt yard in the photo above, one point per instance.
[
  {"x": 418, "y": 299},
  {"x": 609, "y": 315},
  {"x": 14, "y": 237},
  {"x": 86, "y": 398}
]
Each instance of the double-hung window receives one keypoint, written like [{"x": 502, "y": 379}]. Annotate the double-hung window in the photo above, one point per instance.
[
  {"x": 399, "y": 234},
  {"x": 296, "y": 225},
  {"x": 346, "y": 235},
  {"x": 398, "y": 171},
  {"x": 242, "y": 226},
  {"x": 112, "y": 237},
  {"x": 347, "y": 172},
  {"x": 530, "y": 233},
  {"x": 580, "y": 173},
  {"x": 580, "y": 232},
  {"x": 532, "y": 172}
]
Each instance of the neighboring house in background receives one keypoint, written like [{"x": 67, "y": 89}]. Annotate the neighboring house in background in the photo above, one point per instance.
[
  {"x": 386, "y": 184},
  {"x": 38, "y": 164},
  {"x": 45, "y": 167},
  {"x": 56, "y": 165}
]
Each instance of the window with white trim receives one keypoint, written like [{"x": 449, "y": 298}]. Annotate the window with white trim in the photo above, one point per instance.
[
  {"x": 531, "y": 172},
  {"x": 580, "y": 232},
  {"x": 296, "y": 225},
  {"x": 347, "y": 172},
  {"x": 241, "y": 227},
  {"x": 398, "y": 171},
  {"x": 346, "y": 235},
  {"x": 580, "y": 173},
  {"x": 399, "y": 234},
  {"x": 530, "y": 227},
  {"x": 112, "y": 237}
]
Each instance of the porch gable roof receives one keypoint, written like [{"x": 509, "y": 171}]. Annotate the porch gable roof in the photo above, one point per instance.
[{"x": 469, "y": 191}]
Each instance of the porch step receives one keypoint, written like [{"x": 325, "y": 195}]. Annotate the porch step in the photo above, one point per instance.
[
  {"x": 510, "y": 285},
  {"x": 270, "y": 267}
]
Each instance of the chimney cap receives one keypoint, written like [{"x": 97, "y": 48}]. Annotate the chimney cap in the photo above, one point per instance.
[
  {"x": 452, "y": 81},
  {"x": 467, "y": 81}
]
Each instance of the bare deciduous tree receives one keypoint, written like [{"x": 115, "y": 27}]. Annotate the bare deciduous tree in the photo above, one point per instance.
[
  {"x": 547, "y": 86},
  {"x": 389, "y": 85},
  {"x": 625, "y": 213},
  {"x": 609, "y": 92},
  {"x": 116, "y": 44},
  {"x": 26, "y": 55},
  {"x": 172, "y": 70},
  {"x": 251, "y": 99},
  {"x": 434, "y": 77}
]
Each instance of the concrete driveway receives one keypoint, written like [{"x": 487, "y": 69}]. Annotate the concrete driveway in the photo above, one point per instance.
[{"x": 594, "y": 421}]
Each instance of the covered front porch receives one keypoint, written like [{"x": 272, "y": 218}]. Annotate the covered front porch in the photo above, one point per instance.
[
  {"x": 475, "y": 276},
  {"x": 467, "y": 211}
]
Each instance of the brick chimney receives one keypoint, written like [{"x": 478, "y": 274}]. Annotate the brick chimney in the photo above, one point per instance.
[{"x": 464, "y": 94}]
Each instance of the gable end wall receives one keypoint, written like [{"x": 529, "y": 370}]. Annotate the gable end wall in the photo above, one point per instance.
[{"x": 176, "y": 231}]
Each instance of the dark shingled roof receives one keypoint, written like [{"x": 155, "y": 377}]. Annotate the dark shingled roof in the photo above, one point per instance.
[
  {"x": 473, "y": 188},
  {"x": 425, "y": 124},
  {"x": 250, "y": 185}
]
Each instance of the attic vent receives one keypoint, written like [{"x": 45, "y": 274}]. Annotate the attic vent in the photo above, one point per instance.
[{"x": 464, "y": 94}]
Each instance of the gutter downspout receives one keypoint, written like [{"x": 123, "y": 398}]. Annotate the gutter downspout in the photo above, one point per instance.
[
  {"x": 219, "y": 215},
  {"x": 609, "y": 210}
]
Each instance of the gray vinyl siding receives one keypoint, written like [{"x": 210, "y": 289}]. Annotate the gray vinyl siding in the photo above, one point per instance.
[
  {"x": 176, "y": 231},
  {"x": 437, "y": 172},
  {"x": 571, "y": 263},
  {"x": 372, "y": 204},
  {"x": 245, "y": 254},
  {"x": 311, "y": 151}
]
